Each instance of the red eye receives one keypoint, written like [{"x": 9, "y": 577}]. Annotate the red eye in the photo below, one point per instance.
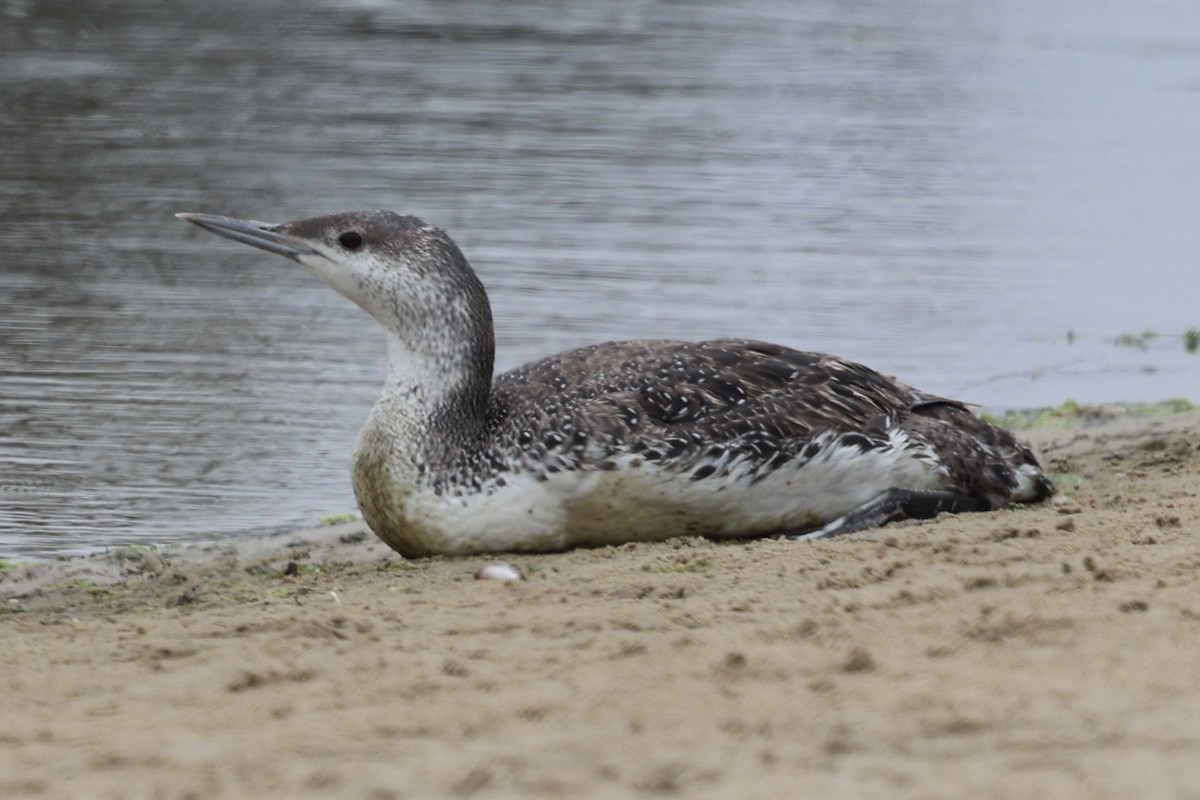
[{"x": 351, "y": 240}]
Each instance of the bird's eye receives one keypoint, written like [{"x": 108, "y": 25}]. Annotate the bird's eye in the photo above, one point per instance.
[{"x": 351, "y": 240}]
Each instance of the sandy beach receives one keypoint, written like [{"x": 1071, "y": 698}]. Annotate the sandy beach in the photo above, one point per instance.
[{"x": 1051, "y": 651}]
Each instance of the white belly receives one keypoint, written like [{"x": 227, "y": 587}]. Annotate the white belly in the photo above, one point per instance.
[{"x": 641, "y": 501}]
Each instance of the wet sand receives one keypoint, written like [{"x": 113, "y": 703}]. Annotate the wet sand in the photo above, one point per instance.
[{"x": 1038, "y": 652}]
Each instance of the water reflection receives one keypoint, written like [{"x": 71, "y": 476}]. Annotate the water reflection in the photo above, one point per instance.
[{"x": 942, "y": 192}]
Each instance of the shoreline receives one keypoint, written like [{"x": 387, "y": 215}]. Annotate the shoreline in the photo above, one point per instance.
[
  {"x": 1039, "y": 651},
  {"x": 1032, "y": 424}
]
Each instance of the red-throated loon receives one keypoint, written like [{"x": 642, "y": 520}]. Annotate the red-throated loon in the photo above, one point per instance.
[{"x": 622, "y": 441}]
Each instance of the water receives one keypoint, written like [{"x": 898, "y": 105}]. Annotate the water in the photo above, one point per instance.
[{"x": 978, "y": 197}]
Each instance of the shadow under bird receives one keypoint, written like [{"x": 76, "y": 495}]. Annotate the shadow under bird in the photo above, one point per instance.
[{"x": 621, "y": 441}]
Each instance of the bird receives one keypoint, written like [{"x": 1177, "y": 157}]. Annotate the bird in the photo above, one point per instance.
[{"x": 623, "y": 441}]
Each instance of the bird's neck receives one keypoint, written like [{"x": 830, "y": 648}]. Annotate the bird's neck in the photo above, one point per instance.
[
  {"x": 438, "y": 389},
  {"x": 430, "y": 423}
]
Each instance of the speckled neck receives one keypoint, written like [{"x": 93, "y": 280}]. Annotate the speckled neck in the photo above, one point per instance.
[{"x": 441, "y": 353}]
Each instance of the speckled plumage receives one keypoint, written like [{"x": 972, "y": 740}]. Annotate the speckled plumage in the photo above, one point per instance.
[{"x": 621, "y": 441}]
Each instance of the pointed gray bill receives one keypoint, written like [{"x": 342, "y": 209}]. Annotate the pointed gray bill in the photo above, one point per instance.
[{"x": 262, "y": 235}]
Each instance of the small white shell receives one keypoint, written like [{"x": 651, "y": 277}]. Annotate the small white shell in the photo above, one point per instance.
[{"x": 497, "y": 572}]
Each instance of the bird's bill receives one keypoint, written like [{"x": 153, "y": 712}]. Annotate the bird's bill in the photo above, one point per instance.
[{"x": 262, "y": 235}]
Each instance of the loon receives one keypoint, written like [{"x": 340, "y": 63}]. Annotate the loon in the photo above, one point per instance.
[{"x": 623, "y": 441}]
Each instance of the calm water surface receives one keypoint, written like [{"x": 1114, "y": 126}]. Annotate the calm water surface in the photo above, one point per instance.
[{"x": 978, "y": 197}]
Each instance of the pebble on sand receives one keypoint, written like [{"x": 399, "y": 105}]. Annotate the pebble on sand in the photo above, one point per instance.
[{"x": 497, "y": 572}]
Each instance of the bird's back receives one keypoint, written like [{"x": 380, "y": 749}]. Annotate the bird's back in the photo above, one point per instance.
[{"x": 704, "y": 409}]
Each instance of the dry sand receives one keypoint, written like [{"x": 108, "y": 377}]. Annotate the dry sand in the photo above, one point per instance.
[{"x": 1039, "y": 652}]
